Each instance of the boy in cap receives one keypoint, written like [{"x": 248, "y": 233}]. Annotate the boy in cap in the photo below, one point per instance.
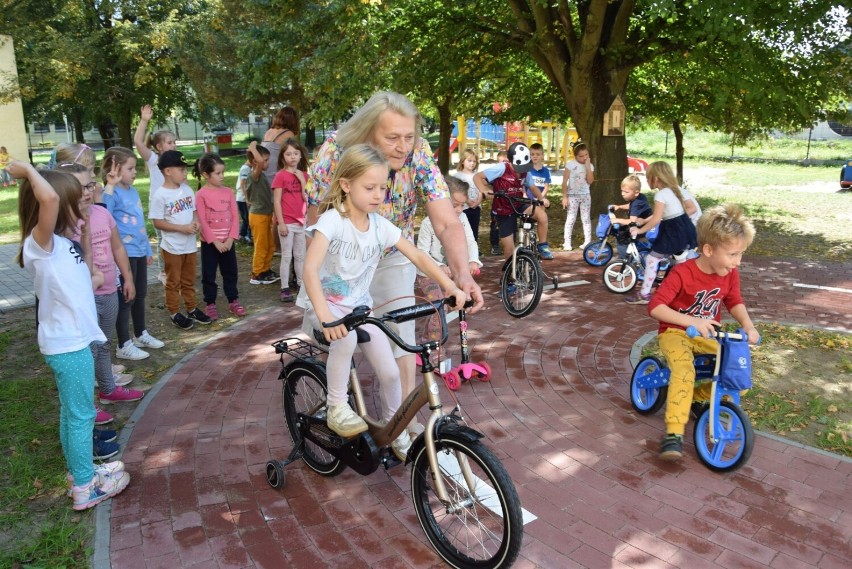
[{"x": 173, "y": 213}]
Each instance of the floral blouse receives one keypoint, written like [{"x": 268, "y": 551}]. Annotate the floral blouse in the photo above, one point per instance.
[{"x": 419, "y": 174}]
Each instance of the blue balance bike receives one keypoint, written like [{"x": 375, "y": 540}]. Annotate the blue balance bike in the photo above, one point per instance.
[
  {"x": 723, "y": 434},
  {"x": 599, "y": 253}
]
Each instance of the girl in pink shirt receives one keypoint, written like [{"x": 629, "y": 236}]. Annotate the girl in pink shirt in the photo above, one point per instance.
[
  {"x": 290, "y": 202},
  {"x": 220, "y": 227}
]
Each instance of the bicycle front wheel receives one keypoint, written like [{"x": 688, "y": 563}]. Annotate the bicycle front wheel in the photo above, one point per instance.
[
  {"x": 597, "y": 253},
  {"x": 305, "y": 392},
  {"x": 521, "y": 292},
  {"x": 733, "y": 442},
  {"x": 482, "y": 526},
  {"x": 620, "y": 276}
]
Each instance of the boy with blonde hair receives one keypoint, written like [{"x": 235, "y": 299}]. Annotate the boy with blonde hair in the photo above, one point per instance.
[
  {"x": 637, "y": 207},
  {"x": 692, "y": 295}
]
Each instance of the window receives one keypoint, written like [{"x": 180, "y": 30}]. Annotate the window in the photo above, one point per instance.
[
  {"x": 41, "y": 128},
  {"x": 59, "y": 126}
]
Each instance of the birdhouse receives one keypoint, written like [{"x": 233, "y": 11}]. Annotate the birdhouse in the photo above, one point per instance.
[{"x": 613, "y": 124}]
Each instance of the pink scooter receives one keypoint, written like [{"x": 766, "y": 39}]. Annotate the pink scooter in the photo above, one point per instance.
[{"x": 465, "y": 371}]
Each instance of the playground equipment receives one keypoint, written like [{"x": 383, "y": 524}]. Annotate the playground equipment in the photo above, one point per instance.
[
  {"x": 846, "y": 176},
  {"x": 487, "y": 138}
]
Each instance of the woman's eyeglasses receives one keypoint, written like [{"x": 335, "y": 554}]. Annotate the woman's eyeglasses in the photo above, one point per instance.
[{"x": 90, "y": 187}]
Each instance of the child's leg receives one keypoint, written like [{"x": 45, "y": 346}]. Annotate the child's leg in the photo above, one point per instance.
[
  {"x": 473, "y": 215},
  {"x": 286, "y": 254},
  {"x": 540, "y": 217},
  {"x": 187, "y": 281},
  {"x": 586, "y": 217},
  {"x": 337, "y": 365},
  {"x": 258, "y": 223},
  {"x": 571, "y": 216},
  {"x": 679, "y": 351},
  {"x": 122, "y": 321},
  {"x": 228, "y": 268},
  {"x": 210, "y": 259},
  {"x": 140, "y": 280},
  {"x": 270, "y": 241},
  {"x": 244, "y": 223},
  {"x": 172, "y": 287},
  {"x": 75, "y": 380},
  {"x": 299, "y": 249},
  {"x": 494, "y": 234},
  {"x": 378, "y": 352},
  {"x": 652, "y": 262},
  {"x": 107, "y": 306}
]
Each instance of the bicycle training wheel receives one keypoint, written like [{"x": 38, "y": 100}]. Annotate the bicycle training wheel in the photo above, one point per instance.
[
  {"x": 647, "y": 400},
  {"x": 305, "y": 392},
  {"x": 521, "y": 295},
  {"x": 620, "y": 276},
  {"x": 734, "y": 439},
  {"x": 597, "y": 253},
  {"x": 482, "y": 525}
]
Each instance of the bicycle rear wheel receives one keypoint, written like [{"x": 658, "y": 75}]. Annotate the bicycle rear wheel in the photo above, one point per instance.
[
  {"x": 521, "y": 294},
  {"x": 305, "y": 392},
  {"x": 482, "y": 526},
  {"x": 620, "y": 276}
]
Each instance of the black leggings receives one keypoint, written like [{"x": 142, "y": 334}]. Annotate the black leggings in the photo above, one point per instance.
[
  {"x": 226, "y": 262},
  {"x": 136, "y": 307}
]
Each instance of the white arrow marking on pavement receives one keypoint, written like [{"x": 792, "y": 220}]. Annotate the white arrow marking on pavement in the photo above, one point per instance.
[
  {"x": 451, "y": 467},
  {"x": 820, "y": 287}
]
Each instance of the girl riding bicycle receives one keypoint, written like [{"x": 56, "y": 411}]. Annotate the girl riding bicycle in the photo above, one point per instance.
[
  {"x": 676, "y": 235},
  {"x": 347, "y": 242}
]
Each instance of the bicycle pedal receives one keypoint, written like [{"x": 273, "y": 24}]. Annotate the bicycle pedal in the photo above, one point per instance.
[{"x": 389, "y": 459}]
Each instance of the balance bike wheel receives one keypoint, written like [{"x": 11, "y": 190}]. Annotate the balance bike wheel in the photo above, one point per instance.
[
  {"x": 734, "y": 439},
  {"x": 647, "y": 401}
]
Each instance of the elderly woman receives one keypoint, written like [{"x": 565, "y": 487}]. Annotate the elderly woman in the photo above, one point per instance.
[{"x": 391, "y": 123}]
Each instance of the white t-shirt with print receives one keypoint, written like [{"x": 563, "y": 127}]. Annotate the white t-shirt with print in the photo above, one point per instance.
[
  {"x": 352, "y": 258},
  {"x": 67, "y": 317},
  {"x": 576, "y": 172},
  {"x": 175, "y": 206}
]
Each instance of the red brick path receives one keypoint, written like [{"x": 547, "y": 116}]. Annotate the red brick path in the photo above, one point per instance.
[{"x": 556, "y": 413}]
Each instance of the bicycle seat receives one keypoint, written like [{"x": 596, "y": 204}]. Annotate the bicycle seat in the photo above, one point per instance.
[{"x": 362, "y": 335}]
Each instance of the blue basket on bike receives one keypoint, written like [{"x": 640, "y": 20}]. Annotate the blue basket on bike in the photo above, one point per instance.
[
  {"x": 604, "y": 224},
  {"x": 735, "y": 368}
]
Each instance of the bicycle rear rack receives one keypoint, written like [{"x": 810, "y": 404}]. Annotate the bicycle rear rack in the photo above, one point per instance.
[{"x": 298, "y": 348}]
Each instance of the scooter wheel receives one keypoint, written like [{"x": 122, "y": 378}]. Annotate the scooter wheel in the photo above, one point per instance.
[
  {"x": 453, "y": 380},
  {"x": 484, "y": 376},
  {"x": 275, "y": 475}
]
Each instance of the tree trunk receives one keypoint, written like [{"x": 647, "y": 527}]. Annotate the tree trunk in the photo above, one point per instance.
[
  {"x": 678, "y": 132},
  {"x": 310, "y": 136},
  {"x": 125, "y": 132},
  {"x": 446, "y": 130},
  {"x": 77, "y": 121},
  {"x": 107, "y": 132}
]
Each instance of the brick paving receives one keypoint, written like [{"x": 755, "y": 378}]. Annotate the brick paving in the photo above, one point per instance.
[{"x": 556, "y": 413}]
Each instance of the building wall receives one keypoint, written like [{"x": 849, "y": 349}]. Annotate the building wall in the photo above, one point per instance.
[{"x": 12, "y": 131}]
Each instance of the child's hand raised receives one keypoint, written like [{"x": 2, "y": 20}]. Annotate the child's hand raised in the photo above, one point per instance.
[
  {"x": 147, "y": 113},
  {"x": 18, "y": 169}
]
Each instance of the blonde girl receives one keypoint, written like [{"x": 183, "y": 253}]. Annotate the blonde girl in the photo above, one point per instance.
[
  {"x": 291, "y": 203},
  {"x": 676, "y": 235},
  {"x": 122, "y": 200},
  {"x": 49, "y": 212},
  {"x": 468, "y": 166},
  {"x": 347, "y": 242}
]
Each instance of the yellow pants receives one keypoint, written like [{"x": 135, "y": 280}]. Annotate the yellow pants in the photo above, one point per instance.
[
  {"x": 264, "y": 247},
  {"x": 679, "y": 351}
]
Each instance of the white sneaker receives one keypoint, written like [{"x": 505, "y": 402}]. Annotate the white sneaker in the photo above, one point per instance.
[
  {"x": 401, "y": 446},
  {"x": 566, "y": 246},
  {"x": 344, "y": 421},
  {"x": 130, "y": 352},
  {"x": 146, "y": 340},
  {"x": 118, "y": 368},
  {"x": 103, "y": 471},
  {"x": 122, "y": 379},
  {"x": 584, "y": 245},
  {"x": 98, "y": 490}
]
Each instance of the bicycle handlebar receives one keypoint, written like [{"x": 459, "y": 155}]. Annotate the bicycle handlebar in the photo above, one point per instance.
[
  {"x": 693, "y": 332},
  {"x": 360, "y": 315},
  {"x": 518, "y": 199}
]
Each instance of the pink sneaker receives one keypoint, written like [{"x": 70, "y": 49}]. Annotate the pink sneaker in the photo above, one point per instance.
[
  {"x": 102, "y": 417},
  {"x": 211, "y": 312},
  {"x": 236, "y": 308},
  {"x": 121, "y": 394}
]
